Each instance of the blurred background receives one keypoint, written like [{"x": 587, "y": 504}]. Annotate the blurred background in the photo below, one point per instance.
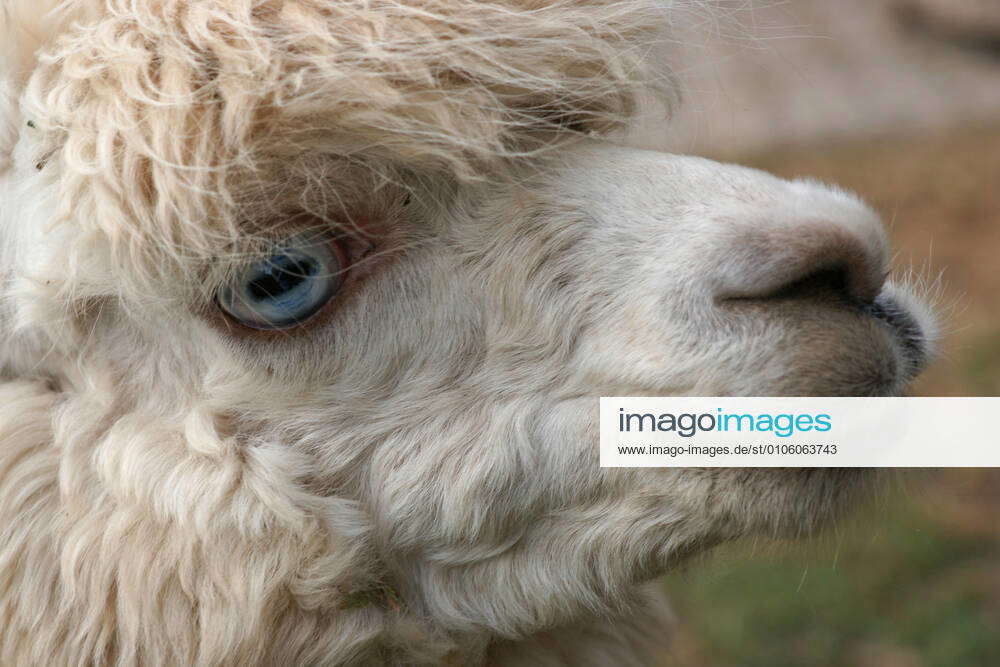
[{"x": 899, "y": 101}]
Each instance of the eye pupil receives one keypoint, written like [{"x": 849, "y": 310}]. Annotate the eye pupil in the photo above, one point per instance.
[{"x": 282, "y": 274}]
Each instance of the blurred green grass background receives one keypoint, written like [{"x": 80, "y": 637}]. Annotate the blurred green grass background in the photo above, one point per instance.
[{"x": 914, "y": 579}]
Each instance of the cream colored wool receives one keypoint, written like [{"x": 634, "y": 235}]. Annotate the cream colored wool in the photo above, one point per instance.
[{"x": 151, "y": 102}]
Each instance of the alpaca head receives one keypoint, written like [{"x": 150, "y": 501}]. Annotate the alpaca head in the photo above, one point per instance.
[{"x": 343, "y": 282}]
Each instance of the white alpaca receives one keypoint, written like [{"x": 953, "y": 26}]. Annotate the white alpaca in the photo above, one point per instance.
[{"x": 305, "y": 308}]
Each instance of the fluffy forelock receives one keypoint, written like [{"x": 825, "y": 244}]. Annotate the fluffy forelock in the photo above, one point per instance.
[{"x": 157, "y": 114}]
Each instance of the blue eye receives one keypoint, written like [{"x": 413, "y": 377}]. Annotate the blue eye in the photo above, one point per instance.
[{"x": 287, "y": 287}]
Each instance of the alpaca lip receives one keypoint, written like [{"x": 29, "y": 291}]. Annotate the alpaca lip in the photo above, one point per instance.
[{"x": 905, "y": 328}]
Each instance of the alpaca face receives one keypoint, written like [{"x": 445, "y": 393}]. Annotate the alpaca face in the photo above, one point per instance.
[
  {"x": 452, "y": 346},
  {"x": 345, "y": 315}
]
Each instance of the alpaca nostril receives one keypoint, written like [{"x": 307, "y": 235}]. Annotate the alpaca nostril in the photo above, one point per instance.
[
  {"x": 827, "y": 283},
  {"x": 818, "y": 261}
]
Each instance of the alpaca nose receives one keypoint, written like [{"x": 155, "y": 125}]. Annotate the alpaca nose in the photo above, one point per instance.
[{"x": 845, "y": 254}]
